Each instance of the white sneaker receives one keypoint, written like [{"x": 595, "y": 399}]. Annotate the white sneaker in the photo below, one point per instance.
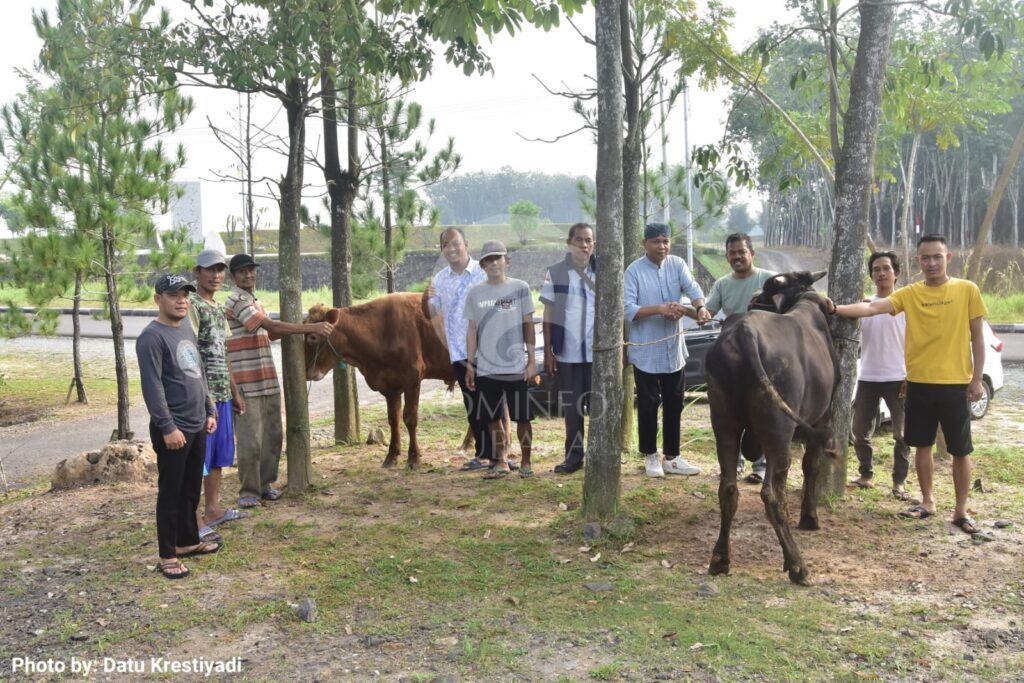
[
  {"x": 653, "y": 465},
  {"x": 678, "y": 465}
]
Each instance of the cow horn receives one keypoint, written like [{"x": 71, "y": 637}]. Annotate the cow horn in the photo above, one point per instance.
[{"x": 817, "y": 275}]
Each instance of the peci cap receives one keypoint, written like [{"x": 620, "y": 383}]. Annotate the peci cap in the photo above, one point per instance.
[
  {"x": 210, "y": 257},
  {"x": 173, "y": 283},
  {"x": 239, "y": 261},
  {"x": 492, "y": 248},
  {"x": 655, "y": 230}
]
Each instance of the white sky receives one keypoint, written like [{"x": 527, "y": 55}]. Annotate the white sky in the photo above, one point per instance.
[{"x": 485, "y": 114}]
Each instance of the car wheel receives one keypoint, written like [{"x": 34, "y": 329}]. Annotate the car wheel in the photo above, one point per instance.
[{"x": 980, "y": 407}]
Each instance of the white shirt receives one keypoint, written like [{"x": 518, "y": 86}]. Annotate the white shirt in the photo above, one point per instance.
[{"x": 881, "y": 348}]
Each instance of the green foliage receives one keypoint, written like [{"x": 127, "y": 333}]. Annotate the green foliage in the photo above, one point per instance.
[{"x": 524, "y": 216}]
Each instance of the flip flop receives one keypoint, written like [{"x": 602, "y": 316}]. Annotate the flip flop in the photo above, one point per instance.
[
  {"x": 474, "y": 464},
  {"x": 230, "y": 515},
  {"x": 904, "y": 496},
  {"x": 204, "y": 548},
  {"x": 165, "y": 567},
  {"x": 754, "y": 478},
  {"x": 497, "y": 474},
  {"x": 966, "y": 525},
  {"x": 862, "y": 483},
  {"x": 271, "y": 494},
  {"x": 208, "y": 534},
  {"x": 525, "y": 472},
  {"x": 248, "y": 502},
  {"x": 917, "y": 512}
]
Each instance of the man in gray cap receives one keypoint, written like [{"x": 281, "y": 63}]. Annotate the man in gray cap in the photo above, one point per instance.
[
  {"x": 180, "y": 415},
  {"x": 500, "y": 347},
  {"x": 654, "y": 285},
  {"x": 211, "y": 329}
]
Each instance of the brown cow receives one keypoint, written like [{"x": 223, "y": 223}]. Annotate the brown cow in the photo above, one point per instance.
[{"x": 392, "y": 343}]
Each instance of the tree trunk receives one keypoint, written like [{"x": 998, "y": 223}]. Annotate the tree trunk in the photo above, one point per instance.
[
  {"x": 76, "y": 340},
  {"x": 974, "y": 262},
  {"x": 631, "y": 158},
  {"x": 908, "y": 204},
  {"x": 124, "y": 430},
  {"x": 389, "y": 256},
  {"x": 853, "y": 194},
  {"x": 601, "y": 483},
  {"x": 293, "y": 358}
]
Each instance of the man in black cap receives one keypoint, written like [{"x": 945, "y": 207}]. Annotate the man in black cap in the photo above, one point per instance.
[
  {"x": 654, "y": 285},
  {"x": 258, "y": 429},
  {"x": 181, "y": 414}
]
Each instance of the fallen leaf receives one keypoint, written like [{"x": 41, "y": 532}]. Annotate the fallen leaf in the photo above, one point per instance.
[
  {"x": 513, "y": 599},
  {"x": 627, "y": 548},
  {"x": 487, "y": 534},
  {"x": 413, "y": 579},
  {"x": 697, "y": 646},
  {"x": 670, "y": 635},
  {"x": 563, "y": 507},
  {"x": 698, "y": 494},
  {"x": 584, "y": 549},
  {"x": 666, "y": 564},
  {"x": 564, "y": 560},
  {"x": 595, "y": 558},
  {"x": 348, "y": 630},
  {"x": 102, "y": 622}
]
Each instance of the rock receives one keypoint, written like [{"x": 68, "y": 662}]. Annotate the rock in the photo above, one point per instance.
[
  {"x": 1002, "y": 523},
  {"x": 307, "y": 611},
  {"x": 118, "y": 461},
  {"x": 599, "y": 586},
  {"x": 80, "y": 637},
  {"x": 622, "y": 527},
  {"x": 592, "y": 531},
  {"x": 706, "y": 590},
  {"x": 376, "y": 436},
  {"x": 980, "y": 537}
]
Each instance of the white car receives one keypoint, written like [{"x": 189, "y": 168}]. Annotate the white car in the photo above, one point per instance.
[{"x": 992, "y": 378}]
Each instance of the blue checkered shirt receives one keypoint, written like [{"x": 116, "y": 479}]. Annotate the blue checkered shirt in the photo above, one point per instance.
[{"x": 648, "y": 285}]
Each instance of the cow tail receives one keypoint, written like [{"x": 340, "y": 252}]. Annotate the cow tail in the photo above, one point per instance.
[{"x": 751, "y": 351}]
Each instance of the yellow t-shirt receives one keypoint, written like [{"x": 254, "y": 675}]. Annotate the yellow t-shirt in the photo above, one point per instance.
[{"x": 938, "y": 343}]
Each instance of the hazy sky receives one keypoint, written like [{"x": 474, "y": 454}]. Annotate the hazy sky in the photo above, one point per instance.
[{"x": 486, "y": 114}]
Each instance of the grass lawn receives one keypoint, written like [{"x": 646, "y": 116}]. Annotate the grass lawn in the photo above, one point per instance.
[{"x": 439, "y": 575}]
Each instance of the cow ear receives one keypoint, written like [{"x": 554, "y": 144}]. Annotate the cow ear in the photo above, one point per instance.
[
  {"x": 333, "y": 315},
  {"x": 817, "y": 275}
]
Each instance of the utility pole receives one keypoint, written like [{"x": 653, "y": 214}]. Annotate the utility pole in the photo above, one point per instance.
[{"x": 686, "y": 160}]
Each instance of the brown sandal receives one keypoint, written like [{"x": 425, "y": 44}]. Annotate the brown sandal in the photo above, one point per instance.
[{"x": 172, "y": 569}]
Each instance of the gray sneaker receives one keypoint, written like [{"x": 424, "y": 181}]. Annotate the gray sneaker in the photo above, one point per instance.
[{"x": 652, "y": 463}]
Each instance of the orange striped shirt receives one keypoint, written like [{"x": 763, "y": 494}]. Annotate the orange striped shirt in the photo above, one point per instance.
[{"x": 252, "y": 364}]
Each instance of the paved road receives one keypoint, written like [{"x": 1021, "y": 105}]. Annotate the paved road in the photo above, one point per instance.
[{"x": 33, "y": 449}]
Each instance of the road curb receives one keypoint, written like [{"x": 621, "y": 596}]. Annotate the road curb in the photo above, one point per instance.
[
  {"x": 1008, "y": 328},
  {"x": 134, "y": 312}
]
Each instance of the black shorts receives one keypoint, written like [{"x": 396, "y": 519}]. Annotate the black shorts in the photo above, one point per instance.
[
  {"x": 494, "y": 393},
  {"x": 930, "y": 405}
]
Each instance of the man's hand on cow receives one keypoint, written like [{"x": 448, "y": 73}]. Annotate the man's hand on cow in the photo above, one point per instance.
[
  {"x": 703, "y": 315},
  {"x": 974, "y": 390},
  {"x": 211, "y": 424},
  {"x": 174, "y": 440},
  {"x": 323, "y": 328},
  {"x": 431, "y": 291}
]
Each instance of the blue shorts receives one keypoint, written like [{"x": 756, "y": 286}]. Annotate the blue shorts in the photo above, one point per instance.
[{"x": 220, "y": 446}]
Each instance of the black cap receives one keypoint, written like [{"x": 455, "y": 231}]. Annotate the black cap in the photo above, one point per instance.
[
  {"x": 173, "y": 283},
  {"x": 656, "y": 230},
  {"x": 239, "y": 261}
]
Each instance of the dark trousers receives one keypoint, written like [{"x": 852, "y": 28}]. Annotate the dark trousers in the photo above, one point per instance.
[
  {"x": 574, "y": 382},
  {"x": 477, "y": 422},
  {"x": 178, "y": 488},
  {"x": 652, "y": 391},
  {"x": 865, "y": 408}
]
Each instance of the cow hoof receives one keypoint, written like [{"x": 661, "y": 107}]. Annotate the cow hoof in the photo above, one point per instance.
[
  {"x": 389, "y": 462},
  {"x": 414, "y": 464},
  {"x": 718, "y": 566},
  {"x": 799, "y": 576},
  {"x": 808, "y": 523}
]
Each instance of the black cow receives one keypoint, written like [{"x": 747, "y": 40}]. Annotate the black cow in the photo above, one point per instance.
[{"x": 771, "y": 375}]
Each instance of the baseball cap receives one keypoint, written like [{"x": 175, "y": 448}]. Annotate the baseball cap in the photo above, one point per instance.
[
  {"x": 492, "y": 248},
  {"x": 173, "y": 283},
  {"x": 239, "y": 261},
  {"x": 210, "y": 257}
]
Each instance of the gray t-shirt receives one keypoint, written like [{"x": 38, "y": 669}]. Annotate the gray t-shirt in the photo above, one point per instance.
[
  {"x": 498, "y": 311},
  {"x": 732, "y": 294},
  {"x": 173, "y": 384}
]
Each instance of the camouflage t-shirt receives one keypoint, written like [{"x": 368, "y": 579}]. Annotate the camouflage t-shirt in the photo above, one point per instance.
[{"x": 211, "y": 328}]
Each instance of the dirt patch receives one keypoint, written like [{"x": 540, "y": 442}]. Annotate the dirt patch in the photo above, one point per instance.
[{"x": 12, "y": 413}]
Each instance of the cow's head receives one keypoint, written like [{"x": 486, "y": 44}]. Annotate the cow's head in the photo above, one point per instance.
[
  {"x": 321, "y": 354},
  {"x": 781, "y": 292}
]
